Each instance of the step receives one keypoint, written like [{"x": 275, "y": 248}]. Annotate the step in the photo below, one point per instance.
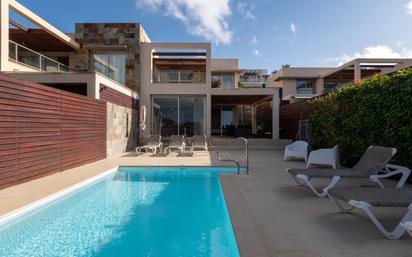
[{"x": 242, "y": 148}]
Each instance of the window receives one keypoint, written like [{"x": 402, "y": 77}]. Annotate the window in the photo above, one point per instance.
[
  {"x": 173, "y": 115},
  {"x": 112, "y": 65},
  {"x": 329, "y": 86},
  {"x": 225, "y": 81},
  {"x": 304, "y": 87}
]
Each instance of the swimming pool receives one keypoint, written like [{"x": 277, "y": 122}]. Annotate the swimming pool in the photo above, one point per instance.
[{"x": 133, "y": 211}]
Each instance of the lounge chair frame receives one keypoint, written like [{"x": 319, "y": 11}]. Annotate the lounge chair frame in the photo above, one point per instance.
[
  {"x": 390, "y": 169},
  {"x": 396, "y": 233},
  {"x": 408, "y": 226},
  {"x": 197, "y": 146},
  {"x": 154, "y": 145},
  {"x": 173, "y": 146}
]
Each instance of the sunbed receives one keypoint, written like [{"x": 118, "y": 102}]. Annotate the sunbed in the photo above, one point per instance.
[
  {"x": 199, "y": 142},
  {"x": 153, "y": 143},
  {"x": 366, "y": 198},
  {"x": 371, "y": 165},
  {"x": 177, "y": 142}
]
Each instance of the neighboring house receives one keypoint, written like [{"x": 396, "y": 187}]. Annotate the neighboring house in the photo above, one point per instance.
[
  {"x": 298, "y": 84},
  {"x": 185, "y": 91}
]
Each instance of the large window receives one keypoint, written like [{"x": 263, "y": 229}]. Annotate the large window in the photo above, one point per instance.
[
  {"x": 225, "y": 81},
  {"x": 304, "y": 87},
  {"x": 112, "y": 65},
  {"x": 182, "y": 115}
]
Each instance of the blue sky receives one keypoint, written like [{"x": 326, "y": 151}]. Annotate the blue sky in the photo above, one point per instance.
[{"x": 261, "y": 33}]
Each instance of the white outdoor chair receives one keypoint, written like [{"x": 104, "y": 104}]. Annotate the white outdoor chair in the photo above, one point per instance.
[
  {"x": 329, "y": 156},
  {"x": 298, "y": 149}
]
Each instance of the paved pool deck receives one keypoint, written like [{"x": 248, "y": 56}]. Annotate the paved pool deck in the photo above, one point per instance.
[{"x": 271, "y": 215}]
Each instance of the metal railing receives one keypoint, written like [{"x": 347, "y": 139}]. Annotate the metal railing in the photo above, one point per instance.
[
  {"x": 26, "y": 56},
  {"x": 235, "y": 161}
]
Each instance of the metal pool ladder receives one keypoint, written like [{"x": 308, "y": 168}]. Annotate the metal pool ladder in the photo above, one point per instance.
[{"x": 235, "y": 161}]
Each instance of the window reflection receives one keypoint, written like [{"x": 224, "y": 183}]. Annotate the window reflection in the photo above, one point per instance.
[
  {"x": 112, "y": 65},
  {"x": 175, "y": 115}
]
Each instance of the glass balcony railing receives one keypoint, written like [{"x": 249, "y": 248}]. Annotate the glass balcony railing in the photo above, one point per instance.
[
  {"x": 179, "y": 76},
  {"x": 250, "y": 79},
  {"x": 304, "y": 91},
  {"x": 26, "y": 56}
]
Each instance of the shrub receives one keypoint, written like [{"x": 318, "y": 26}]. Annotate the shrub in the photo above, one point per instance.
[{"x": 374, "y": 112}]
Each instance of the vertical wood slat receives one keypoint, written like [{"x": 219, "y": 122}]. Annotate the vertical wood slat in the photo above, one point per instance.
[{"x": 45, "y": 130}]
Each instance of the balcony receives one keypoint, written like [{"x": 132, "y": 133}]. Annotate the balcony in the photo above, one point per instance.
[
  {"x": 305, "y": 93},
  {"x": 35, "y": 60},
  {"x": 179, "y": 76}
]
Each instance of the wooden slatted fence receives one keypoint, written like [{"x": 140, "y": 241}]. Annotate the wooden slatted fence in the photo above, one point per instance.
[{"x": 45, "y": 130}]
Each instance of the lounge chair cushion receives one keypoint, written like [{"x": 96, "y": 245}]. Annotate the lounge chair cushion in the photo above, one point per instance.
[
  {"x": 329, "y": 173},
  {"x": 378, "y": 197}
]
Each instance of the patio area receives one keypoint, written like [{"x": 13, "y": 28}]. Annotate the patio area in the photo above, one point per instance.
[{"x": 271, "y": 215}]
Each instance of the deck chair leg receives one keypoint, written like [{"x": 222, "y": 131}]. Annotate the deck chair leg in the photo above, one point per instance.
[
  {"x": 304, "y": 180},
  {"x": 394, "y": 234},
  {"x": 341, "y": 207}
]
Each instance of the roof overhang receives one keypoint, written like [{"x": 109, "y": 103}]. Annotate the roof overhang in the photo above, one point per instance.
[
  {"x": 368, "y": 67},
  {"x": 34, "y": 18},
  {"x": 35, "y": 39}
]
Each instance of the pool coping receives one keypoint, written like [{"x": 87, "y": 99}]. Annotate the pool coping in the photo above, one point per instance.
[{"x": 55, "y": 196}]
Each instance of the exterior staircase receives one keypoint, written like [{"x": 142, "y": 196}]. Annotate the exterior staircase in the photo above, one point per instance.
[{"x": 255, "y": 144}]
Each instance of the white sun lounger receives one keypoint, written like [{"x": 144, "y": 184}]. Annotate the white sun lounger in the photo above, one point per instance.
[
  {"x": 368, "y": 198},
  {"x": 153, "y": 143},
  {"x": 373, "y": 162},
  {"x": 177, "y": 142},
  {"x": 199, "y": 142}
]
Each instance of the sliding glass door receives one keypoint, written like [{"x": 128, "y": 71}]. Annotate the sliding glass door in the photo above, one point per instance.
[
  {"x": 165, "y": 119},
  {"x": 173, "y": 115},
  {"x": 191, "y": 115}
]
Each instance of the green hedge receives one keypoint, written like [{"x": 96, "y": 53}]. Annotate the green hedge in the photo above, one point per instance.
[{"x": 375, "y": 112}]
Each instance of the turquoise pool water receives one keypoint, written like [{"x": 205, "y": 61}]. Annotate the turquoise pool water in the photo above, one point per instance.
[{"x": 134, "y": 211}]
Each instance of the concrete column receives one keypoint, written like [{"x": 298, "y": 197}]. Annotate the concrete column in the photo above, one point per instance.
[
  {"x": 4, "y": 35},
  {"x": 208, "y": 67},
  {"x": 275, "y": 116},
  {"x": 254, "y": 125},
  {"x": 358, "y": 75},
  {"x": 319, "y": 86},
  {"x": 208, "y": 119}
]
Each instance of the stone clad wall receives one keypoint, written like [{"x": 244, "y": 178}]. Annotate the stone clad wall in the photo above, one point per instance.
[
  {"x": 115, "y": 37},
  {"x": 122, "y": 129}
]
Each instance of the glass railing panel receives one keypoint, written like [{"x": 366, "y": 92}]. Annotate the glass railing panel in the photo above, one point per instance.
[
  {"x": 36, "y": 60},
  {"x": 304, "y": 91},
  {"x": 179, "y": 76}
]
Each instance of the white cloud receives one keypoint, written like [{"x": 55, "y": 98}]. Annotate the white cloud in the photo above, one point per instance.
[
  {"x": 293, "y": 28},
  {"x": 246, "y": 10},
  {"x": 257, "y": 53},
  {"x": 202, "y": 18},
  {"x": 253, "y": 41},
  {"x": 409, "y": 8},
  {"x": 372, "y": 51}
]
